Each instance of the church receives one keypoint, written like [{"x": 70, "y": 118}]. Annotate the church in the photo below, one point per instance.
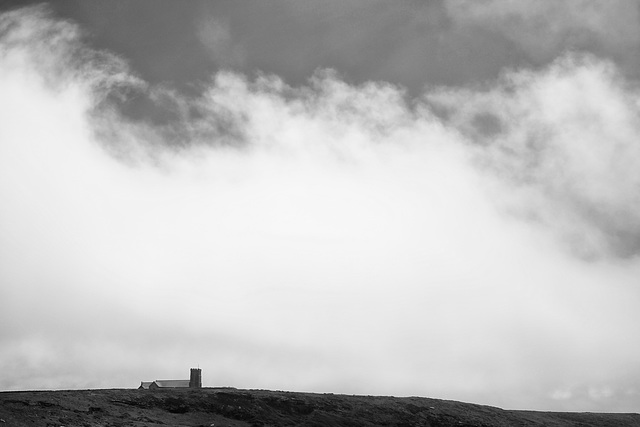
[{"x": 194, "y": 381}]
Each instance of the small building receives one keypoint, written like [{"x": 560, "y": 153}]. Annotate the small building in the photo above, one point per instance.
[{"x": 194, "y": 381}]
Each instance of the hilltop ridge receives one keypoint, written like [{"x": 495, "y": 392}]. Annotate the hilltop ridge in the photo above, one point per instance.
[{"x": 237, "y": 408}]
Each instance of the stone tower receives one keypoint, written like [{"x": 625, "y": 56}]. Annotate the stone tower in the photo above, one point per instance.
[{"x": 195, "y": 380}]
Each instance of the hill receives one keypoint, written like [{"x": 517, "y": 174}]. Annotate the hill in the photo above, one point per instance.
[{"x": 231, "y": 407}]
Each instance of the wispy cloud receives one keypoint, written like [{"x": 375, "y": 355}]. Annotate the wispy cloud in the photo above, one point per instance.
[
  {"x": 545, "y": 29},
  {"x": 328, "y": 237},
  {"x": 215, "y": 35}
]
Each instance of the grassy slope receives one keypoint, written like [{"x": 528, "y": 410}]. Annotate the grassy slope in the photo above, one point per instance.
[{"x": 231, "y": 407}]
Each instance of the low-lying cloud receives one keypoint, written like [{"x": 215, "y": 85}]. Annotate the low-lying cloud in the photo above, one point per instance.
[{"x": 478, "y": 245}]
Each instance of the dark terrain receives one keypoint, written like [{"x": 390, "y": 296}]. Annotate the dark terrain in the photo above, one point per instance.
[{"x": 230, "y": 407}]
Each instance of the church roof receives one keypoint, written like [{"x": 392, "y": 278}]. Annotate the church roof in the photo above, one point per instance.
[{"x": 172, "y": 383}]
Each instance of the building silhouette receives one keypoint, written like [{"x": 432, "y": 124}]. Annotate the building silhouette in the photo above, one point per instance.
[{"x": 194, "y": 381}]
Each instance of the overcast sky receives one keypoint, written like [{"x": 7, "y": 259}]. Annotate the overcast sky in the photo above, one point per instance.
[{"x": 430, "y": 198}]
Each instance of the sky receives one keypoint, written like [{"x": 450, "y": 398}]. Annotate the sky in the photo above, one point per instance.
[{"x": 417, "y": 198}]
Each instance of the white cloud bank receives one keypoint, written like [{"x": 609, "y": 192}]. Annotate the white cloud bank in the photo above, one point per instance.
[{"x": 476, "y": 245}]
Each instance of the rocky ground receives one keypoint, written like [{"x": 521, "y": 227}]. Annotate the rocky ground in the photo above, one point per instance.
[{"x": 230, "y": 407}]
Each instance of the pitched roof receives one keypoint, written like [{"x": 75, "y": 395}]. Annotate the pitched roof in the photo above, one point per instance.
[
  {"x": 172, "y": 383},
  {"x": 145, "y": 384}
]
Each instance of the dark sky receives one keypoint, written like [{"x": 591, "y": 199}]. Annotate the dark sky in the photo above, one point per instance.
[
  {"x": 414, "y": 44},
  {"x": 410, "y": 43}
]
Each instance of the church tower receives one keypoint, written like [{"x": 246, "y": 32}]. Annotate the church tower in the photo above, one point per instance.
[{"x": 195, "y": 380}]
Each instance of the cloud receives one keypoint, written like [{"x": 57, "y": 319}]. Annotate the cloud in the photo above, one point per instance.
[
  {"x": 345, "y": 240},
  {"x": 215, "y": 35},
  {"x": 546, "y": 29},
  {"x": 564, "y": 139}
]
